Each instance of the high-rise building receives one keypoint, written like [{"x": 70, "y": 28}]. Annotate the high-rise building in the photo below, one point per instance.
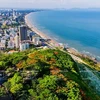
[
  {"x": 13, "y": 13},
  {"x": 17, "y": 41},
  {"x": 23, "y": 33}
]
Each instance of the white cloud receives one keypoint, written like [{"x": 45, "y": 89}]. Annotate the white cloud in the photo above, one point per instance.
[{"x": 50, "y": 3}]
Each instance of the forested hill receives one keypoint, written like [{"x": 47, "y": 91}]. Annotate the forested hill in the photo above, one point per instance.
[{"x": 43, "y": 75}]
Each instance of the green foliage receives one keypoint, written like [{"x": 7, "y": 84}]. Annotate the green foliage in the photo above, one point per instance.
[
  {"x": 15, "y": 83},
  {"x": 16, "y": 88},
  {"x": 15, "y": 79},
  {"x": 10, "y": 71},
  {"x": 2, "y": 91},
  {"x": 2, "y": 65},
  {"x": 73, "y": 91},
  {"x": 91, "y": 63},
  {"x": 48, "y": 82},
  {"x": 4, "y": 26},
  {"x": 42, "y": 75}
]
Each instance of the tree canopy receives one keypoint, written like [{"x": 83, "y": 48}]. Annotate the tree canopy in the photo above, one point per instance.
[{"x": 43, "y": 75}]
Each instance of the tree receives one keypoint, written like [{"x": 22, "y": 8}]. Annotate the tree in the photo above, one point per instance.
[
  {"x": 2, "y": 91},
  {"x": 15, "y": 83},
  {"x": 48, "y": 82},
  {"x": 73, "y": 91}
]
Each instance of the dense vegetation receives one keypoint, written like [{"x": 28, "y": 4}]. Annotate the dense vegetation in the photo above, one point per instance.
[
  {"x": 43, "y": 75},
  {"x": 91, "y": 63}
]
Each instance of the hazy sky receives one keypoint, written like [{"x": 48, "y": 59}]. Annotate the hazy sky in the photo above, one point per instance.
[{"x": 50, "y": 3}]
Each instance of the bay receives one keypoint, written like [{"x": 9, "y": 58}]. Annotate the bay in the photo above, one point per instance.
[{"x": 78, "y": 29}]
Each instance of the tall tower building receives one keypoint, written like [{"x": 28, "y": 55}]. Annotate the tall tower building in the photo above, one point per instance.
[
  {"x": 13, "y": 13},
  {"x": 23, "y": 33},
  {"x": 17, "y": 41}
]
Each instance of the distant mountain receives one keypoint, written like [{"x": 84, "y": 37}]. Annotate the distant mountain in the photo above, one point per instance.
[{"x": 85, "y": 9}]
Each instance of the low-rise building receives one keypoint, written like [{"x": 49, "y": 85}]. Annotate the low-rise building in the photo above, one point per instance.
[
  {"x": 36, "y": 40},
  {"x": 10, "y": 44},
  {"x": 2, "y": 46},
  {"x": 3, "y": 41},
  {"x": 24, "y": 46}
]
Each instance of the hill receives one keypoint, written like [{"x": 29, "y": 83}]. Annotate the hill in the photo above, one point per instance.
[{"x": 43, "y": 75}]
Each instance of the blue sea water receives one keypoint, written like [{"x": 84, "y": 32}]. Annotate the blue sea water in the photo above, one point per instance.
[{"x": 78, "y": 29}]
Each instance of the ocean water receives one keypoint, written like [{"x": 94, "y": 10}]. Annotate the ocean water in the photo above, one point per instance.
[{"x": 78, "y": 29}]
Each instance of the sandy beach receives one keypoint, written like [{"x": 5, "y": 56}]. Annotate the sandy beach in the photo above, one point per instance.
[{"x": 41, "y": 34}]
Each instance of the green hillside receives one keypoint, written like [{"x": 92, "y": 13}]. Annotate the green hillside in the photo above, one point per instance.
[{"x": 43, "y": 75}]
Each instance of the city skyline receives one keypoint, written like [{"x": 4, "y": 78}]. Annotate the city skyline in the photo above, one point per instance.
[{"x": 50, "y": 4}]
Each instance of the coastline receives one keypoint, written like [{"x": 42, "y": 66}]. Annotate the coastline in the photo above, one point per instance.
[
  {"x": 41, "y": 34},
  {"x": 53, "y": 43}
]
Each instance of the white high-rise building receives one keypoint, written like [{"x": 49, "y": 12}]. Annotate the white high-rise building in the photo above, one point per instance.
[
  {"x": 17, "y": 41},
  {"x": 13, "y": 14}
]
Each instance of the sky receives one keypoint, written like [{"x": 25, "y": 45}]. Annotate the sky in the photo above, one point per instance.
[{"x": 50, "y": 4}]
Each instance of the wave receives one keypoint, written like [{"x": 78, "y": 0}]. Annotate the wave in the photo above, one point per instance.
[{"x": 90, "y": 54}]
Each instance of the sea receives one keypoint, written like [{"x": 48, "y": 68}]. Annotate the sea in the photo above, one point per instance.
[{"x": 77, "y": 29}]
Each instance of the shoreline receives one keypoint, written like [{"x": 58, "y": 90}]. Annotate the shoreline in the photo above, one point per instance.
[
  {"x": 53, "y": 42},
  {"x": 41, "y": 34}
]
